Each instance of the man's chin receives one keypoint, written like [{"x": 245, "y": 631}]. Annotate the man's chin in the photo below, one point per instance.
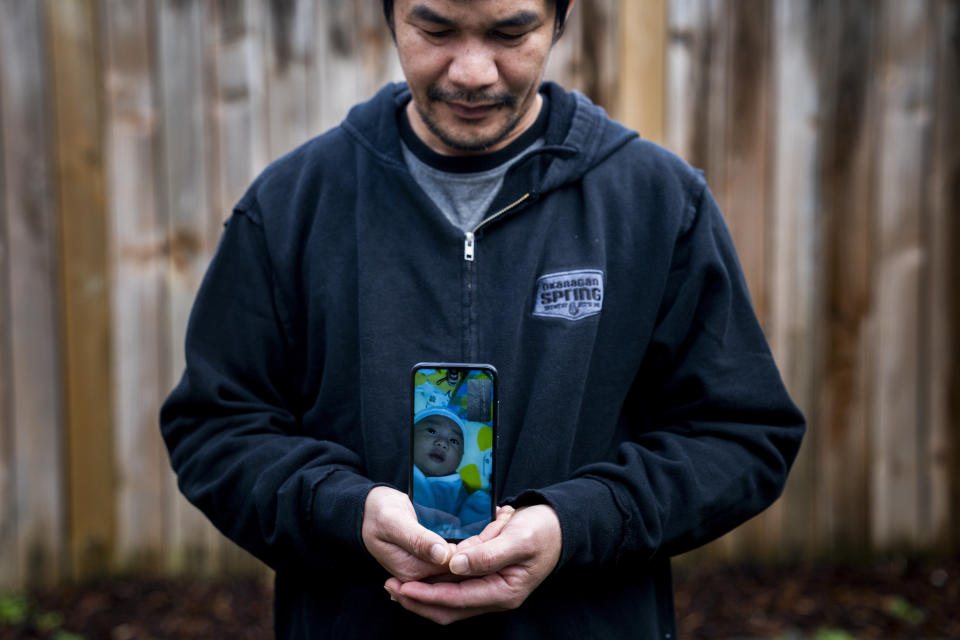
[
  {"x": 461, "y": 140},
  {"x": 472, "y": 144}
]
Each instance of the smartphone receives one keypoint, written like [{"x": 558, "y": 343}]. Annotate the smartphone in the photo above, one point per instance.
[{"x": 453, "y": 442}]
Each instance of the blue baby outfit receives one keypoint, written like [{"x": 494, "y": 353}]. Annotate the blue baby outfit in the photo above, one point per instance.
[{"x": 443, "y": 505}]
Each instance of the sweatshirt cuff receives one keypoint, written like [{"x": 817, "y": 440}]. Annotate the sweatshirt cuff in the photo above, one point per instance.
[
  {"x": 590, "y": 521},
  {"x": 336, "y": 507}
]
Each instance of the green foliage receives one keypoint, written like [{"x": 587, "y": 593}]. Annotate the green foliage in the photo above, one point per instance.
[
  {"x": 47, "y": 621},
  {"x": 16, "y": 610},
  {"x": 900, "y": 609},
  {"x": 13, "y": 609},
  {"x": 832, "y": 634}
]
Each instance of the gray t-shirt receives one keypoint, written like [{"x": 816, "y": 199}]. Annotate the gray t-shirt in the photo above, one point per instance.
[
  {"x": 464, "y": 187},
  {"x": 463, "y": 197}
]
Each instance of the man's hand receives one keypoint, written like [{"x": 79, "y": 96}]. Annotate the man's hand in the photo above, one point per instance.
[
  {"x": 501, "y": 567},
  {"x": 393, "y": 536}
]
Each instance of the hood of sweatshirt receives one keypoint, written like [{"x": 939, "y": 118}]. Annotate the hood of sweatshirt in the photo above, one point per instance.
[{"x": 579, "y": 134}]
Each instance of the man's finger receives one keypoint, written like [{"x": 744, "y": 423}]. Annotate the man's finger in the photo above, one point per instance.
[
  {"x": 429, "y": 546},
  {"x": 527, "y": 533},
  {"x": 505, "y": 511},
  {"x": 493, "y": 529},
  {"x": 493, "y": 592},
  {"x": 439, "y": 613},
  {"x": 484, "y": 591},
  {"x": 488, "y": 556},
  {"x": 397, "y": 541},
  {"x": 392, "y": 585},
  {"x": 416, "y": 539},
  {"x": 423, "y": 544},
  {"x": 490, "y": 531}
]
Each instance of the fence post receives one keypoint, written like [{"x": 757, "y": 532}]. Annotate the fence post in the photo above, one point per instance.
[
  {"x": 77, "y": 78},
  {"x": 32, "y": 485}
]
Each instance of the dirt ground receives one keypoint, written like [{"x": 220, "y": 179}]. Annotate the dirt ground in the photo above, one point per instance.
[{"x": 888, "y": 600}]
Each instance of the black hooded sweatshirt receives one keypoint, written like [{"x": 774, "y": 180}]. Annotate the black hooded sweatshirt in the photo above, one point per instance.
[{"x": 638, "y": 396}]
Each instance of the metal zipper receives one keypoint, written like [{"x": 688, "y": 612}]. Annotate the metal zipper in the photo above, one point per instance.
[{"x": 470, "y": 237}]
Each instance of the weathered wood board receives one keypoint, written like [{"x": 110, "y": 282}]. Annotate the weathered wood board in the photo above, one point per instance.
[
  {"x": 76, "y": 75},
  {"x": 183, "y": 188},
  {"x": 32, "y": 501},
  {"x": 137, "y": 243},
  {"x": 795, "y": 205},
  {"x": 899, "y": 466},
  {"x": 942, "y": 304}
]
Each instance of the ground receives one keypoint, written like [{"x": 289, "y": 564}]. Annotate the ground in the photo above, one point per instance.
[{"x": 889, "y": 600}]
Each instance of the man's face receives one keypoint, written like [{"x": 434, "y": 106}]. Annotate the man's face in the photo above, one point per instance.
[
  {"x": 437, "y": 445},
  {"x": 473, "y": 68}
]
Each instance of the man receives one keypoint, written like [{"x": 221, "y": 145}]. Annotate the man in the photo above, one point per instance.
[{"x": 476, "y": 215}]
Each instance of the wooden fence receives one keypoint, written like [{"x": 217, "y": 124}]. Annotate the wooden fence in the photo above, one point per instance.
[{"x": 828, "y": 131}]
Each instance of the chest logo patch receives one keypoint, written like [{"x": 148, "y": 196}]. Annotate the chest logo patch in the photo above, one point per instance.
[{"x": 569, "y": 294}]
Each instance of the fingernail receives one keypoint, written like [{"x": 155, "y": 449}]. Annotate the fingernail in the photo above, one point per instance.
[
  {"x": 459, "y": 564},
  {"x": 438, "y": 553},
  {"x": 392, "y": 597}
]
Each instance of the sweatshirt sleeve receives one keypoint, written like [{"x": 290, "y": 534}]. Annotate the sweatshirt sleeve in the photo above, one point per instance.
[
  {"x": 235, "y": 441},
  {"x": 715, "y": 431}
]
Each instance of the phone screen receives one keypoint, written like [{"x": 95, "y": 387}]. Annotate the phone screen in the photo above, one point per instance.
[{"x": 453, "y": 434}]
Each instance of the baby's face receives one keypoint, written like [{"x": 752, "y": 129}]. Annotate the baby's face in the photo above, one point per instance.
[{"x": 437, "y": 445}]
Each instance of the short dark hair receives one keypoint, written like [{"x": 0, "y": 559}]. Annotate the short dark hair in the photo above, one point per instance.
[{"x": 558, "y": 23}]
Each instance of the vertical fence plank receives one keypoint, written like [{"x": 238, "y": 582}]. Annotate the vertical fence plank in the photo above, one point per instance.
[
  {"x": 77, "y": 77},
  {"x": 290, "y": 39},
  {"x": 712, "y": 129},
  {"x": 942, "y": 306},
  {"x": 739, "y": 157},
  {"x": 641, "y": 82},
  {"x": 846, "y": 240},
  {"x": 237, "y": 34},
  {"x": 747, "y": 156},
  {"x": 137, "y": 258},
  {"x": 238, "y": 102},
  {"x": 355, "y": 57},
  {"x": 376, "y": 56},
  {"x": 565, "y": 65},
  {"x": 32, "y": 504},
  {"x": 794, "y": 219},
  {"x": 696, "y": 97},
  {"x": 339, "y": 79},
  {"x": 180, "y": 50},
  {"x": 9, "y": 522},
  {"x": 686, "y": 100},
  {"x": 600, "y": 55},
  {"x": 748, "y": 176},
  {"x": 905, "y": 97}
]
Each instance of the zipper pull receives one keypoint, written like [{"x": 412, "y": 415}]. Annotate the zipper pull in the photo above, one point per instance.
[{"x": 468, "y": 247}]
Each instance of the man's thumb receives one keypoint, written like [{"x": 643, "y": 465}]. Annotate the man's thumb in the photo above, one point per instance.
[
  {"x": 428, "y": 546},
  {"x": 485, "y": 557}
]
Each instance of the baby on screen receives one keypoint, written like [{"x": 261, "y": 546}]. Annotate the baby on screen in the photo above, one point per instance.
[{"x": 439, "y": 495}]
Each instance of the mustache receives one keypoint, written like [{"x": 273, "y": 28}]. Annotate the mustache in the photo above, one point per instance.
[{"x": 471, "y": 97}]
